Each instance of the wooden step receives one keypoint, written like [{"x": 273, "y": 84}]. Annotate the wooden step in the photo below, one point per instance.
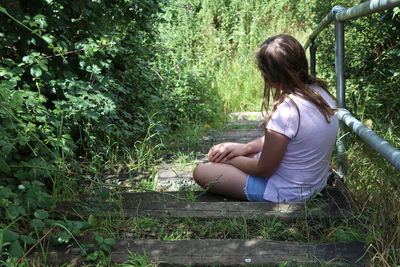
[
  {"x": 332, "y": 205},
  {"x": 216, "y": 137},
  {"x": 224, "y": 252}
]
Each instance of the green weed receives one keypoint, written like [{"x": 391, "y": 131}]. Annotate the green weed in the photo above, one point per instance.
[
  {"x": 139, "y": 261},
  {"x": 374, "y": 185}
]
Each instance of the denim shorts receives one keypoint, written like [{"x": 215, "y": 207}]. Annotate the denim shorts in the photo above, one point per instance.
[{"x": 254, "y": 188}]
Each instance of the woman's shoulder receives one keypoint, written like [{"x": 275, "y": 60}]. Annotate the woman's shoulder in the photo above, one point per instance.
[
  {"x": 293, "y": 99},
  {"x": 324, "y": 94}
]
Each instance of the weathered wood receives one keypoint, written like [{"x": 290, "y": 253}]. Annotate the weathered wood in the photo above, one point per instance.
[
  {"x": 173, "y": 196},
  {"x": 225, "y": 252},
  {"x": 247, "y": 115},
  {"x": 235, "y": 133},
  {"x": 167, "y": 205},
  {"x": 216, "y": 137},
  {"x": 176, "y": 170},
  {"x": 243, "y": 124}
]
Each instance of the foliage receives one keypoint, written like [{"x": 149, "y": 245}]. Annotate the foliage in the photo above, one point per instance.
[
  {"x": 372, "y": 54},
  {"x": 220, "y": 37},
  {"x": 75, "y": 79},
  {"x": 88, "y": 85}
]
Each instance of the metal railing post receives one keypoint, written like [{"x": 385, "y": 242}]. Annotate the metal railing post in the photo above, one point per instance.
[
  {"x": 340, "y": 15},
  {"x": 313, "y": 61},
  {"x": 340, "y": 85}
]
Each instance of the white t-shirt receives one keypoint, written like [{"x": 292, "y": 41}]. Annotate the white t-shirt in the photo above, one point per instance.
[{"x": 305, "y": 164}]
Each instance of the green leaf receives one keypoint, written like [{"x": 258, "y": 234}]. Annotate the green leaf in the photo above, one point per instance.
[
  {"x": 43, "y": 65},
  {"x": 109, "y": 241},
  {"x": 36, "y": 71},
  {"x": 91, "y": 219},
  {"x": 346, "y": 235},
  {"x": 21, "y": 187},
  {"x": 48, "y": 38},
  {"x": 4, "y": 167},
  {"x": 9, "y": 236},
  {"x": 92, "y": 256},
  {"x": 396, "y": 11},
  {"x": 40, "y": 20},
  {"x": 16, "y": 250},
  {"x": 93, "y": 69},
  {"x": 41, "y": 214},
  {"x": 99, "y": 239},
  {"x": 36, "y": 223},
  {"x": 27, "y": 239},
  {"x": 9, "y": 62},
  {"x": 6, "y": 149},
  {"x": 14, "y": 211},
  {"x": 6, "y": 192}
]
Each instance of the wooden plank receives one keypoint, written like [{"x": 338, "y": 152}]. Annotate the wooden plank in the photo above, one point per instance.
[
  {"x": 225, "y": 252},
  {"x": 236, "y": 133},
  {"x": 186, "y": 196},
  {"x": 247, "y": 115},
  {"x": 168, "y": 205},
  {"x": 282, "y": 211}
]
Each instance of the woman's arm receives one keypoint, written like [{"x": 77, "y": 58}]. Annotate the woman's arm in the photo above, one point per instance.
[
  {"x": 273, "y": 150},
  {"x": 226, "y": 151}
]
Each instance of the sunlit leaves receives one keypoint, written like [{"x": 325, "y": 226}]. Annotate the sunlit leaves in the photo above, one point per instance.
[{"x": 72, "y": 78}]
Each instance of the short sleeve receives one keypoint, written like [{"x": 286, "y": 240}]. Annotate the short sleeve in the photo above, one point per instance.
[{"x": 285, "y": 120}]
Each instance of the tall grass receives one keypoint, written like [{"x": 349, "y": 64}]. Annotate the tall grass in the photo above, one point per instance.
[
  {"x": 222, "y": 36},
  {"x": 375, "y": 187},
  {"x": 240, "y": 85}
]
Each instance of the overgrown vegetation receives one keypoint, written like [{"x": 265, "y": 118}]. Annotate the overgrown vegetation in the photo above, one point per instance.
[
  {"x": 96, "y": 88},
  {"x": 372, "y": 80},
  {"x": 83, "y": 87}
]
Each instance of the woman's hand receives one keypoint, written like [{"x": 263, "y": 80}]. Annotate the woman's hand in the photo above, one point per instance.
[
  {"x": 274, "y": 149},
  {"x": 226, "y": 151}
]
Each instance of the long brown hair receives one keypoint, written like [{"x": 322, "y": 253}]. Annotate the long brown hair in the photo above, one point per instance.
[{"x": 283, "y": 65}]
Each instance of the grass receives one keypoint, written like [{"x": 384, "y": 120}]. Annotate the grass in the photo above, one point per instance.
[
  {"x": 233, "y": 228},
  {"x": 374, "y": 185},
  {"x": 377, "y": 223},
  {"x": 365, "y": 227},
  {"x": 372, "y": 182},
  {"x": 240, "y": 85}
]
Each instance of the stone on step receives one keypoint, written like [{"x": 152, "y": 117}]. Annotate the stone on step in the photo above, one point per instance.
[{"x": 177, "y": 183}]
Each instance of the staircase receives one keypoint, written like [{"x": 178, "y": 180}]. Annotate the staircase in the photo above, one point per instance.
[{"x": 177, "y": 196}]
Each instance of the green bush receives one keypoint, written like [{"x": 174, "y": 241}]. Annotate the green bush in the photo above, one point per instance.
[
  {"x": 76, "y": 78},
  {"x": 372, "y": 54}
]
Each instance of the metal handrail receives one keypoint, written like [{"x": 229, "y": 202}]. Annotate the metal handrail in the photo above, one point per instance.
[
  {"x": 321, "y": 26},
  {"x": 360, "y": 10},
  {"x": 367, "y": 8},
  {"x": 339, "y": 16},
  {"x": 371, "y": 138}
]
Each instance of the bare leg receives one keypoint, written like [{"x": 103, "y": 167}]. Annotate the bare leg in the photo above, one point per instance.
[{"x": 221, "y": 178}]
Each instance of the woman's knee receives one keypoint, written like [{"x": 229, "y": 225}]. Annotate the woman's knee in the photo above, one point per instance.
[{"x": 198, "y": 174}]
